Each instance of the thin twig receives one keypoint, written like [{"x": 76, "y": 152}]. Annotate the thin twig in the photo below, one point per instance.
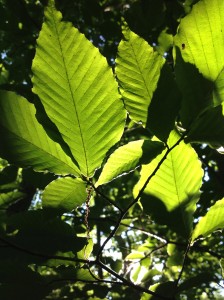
[
  {"x": 123, "y": 281},
  {"x": 184, "y": 263},
  {"x": 112, "y": 233},
  {"x": 89, "y": 194},
  {"x": 131, "y": 284},
  {"x": 104, "y": 196},
  {"x": 42, "y": 255}
]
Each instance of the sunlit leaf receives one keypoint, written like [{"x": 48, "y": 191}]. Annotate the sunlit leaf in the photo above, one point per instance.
[
  {"x": 78, "y": 91},
  {"x": 64, "y": 194},
  {"x": 86, "y": 250},
  {"x": 213, "y": 220},
  {"x": 173, "y": 192},
  {"x": 138, "y": 70},
  {"x": 128, "y": 157},
  {"x": 24, "y": 142},
  {"x": 135, "y": 255},
  {"x": 200, "y": 38}
]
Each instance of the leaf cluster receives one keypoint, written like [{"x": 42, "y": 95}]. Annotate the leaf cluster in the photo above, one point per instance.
[{"x": 111, "y": 131}]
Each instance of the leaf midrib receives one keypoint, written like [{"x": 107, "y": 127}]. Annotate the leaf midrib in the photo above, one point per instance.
[
  {"x": 39, "y": 148},
  {"x": 70, "y": 90}
]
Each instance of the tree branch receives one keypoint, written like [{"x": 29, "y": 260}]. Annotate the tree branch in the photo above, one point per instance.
[{"x": 112, "y": 233}]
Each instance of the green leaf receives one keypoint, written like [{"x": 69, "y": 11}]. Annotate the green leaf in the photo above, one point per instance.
[
  {"x": 222, "y": 266},
  {"x": 138, "y": 70},
  {"x": 8, "y": 174},
  {"x": 76, "y": 274},
  {"x": 78, "y": 91},
  {"x": 196, "y": 90},
  {"x": 135, "y": 255},
  {"x": 196, "y": 281},
  {"x": 172, "y": 193},
  {"x": 64, "y": 194},
  {"x": 164, "y": 289},
  {"x": 38, "y": 232},
  {"x": 128, "y": 157},
  {"x": 26, "y": 283},
  {"x": 200, "y": 39},
  {"x": 208, "y": 128},
  {"x": 165, "y": 104},
  {"x": 87, "y": 250},
  {"x": 9, "y": 198},
  {"x": 213, "y": 220},
  {"x": 24, "y": 142}
]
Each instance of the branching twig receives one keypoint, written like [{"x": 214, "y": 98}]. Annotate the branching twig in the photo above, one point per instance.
[
  {"x": 112, "y": 233},
  {"x": 131, "y": 284},
  {"x": 123, "y": 281},
  {"x": 104, "y": 196}
]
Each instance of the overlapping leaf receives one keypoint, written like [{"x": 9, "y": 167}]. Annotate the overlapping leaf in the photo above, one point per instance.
[
  {"x": 78, "y": 91},
  {"x": 8, "y": 198},
  {"x": 201, "y": 40},
  {"x": 128, "y": 157},
  {"x": 25, "y": 142},
  {"x": 73, "y": 195},
  {"x": 213, "y": 220},
  {"x": 173, "y": 191},
  {"x": 208, "y": 128},
  {"x": 196, "y": 90},
  {"x": 138, "y": 70},
  {"x": 165, "y": 103}
]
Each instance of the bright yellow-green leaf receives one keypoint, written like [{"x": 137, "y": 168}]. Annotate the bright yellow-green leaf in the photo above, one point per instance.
[
  {"x": 135, "y": 255},
  {"x": 78, "y": 91},
  {"x": 138, "y": 69},
  {"x": 172, "y": 193},
  {"x": 128, "y": 157},
  {"x": 25, "y": 142},
  {"x": 65, "y": 194},
  {"x": 86, "y": 251},
  {"x": 200, "y": 38},
  {"x": 213, "y": 220}
]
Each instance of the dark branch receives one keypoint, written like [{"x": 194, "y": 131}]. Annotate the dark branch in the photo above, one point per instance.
[{"x": 137, "y": 198}]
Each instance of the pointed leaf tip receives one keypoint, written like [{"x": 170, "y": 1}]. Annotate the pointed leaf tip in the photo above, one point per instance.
[
  {"x": 138, "y": 69},
  {"x": 78, "y": 91}
]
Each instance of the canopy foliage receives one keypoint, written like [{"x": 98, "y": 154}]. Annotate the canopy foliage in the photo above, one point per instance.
[{"x": 111, "y": 168}]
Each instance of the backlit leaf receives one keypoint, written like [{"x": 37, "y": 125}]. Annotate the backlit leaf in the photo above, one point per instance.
[
  {"x": 65, "y": 194},
  {"x": 208, "y": 128},
  {"x": 172, "y": 193},
  {"x": 24, "y": 142},
  {"x": 200, "y": 38},
  {"x": 78, "y": 91},
  {"x": 138, "y": 70},
  {"x": 213, "y": 220},
  {"x": 128, "y": 157}
]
